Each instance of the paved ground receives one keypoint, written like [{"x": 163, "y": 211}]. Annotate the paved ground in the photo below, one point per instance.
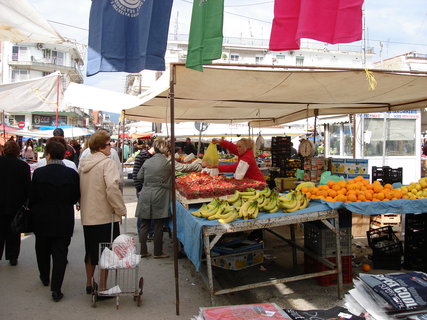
[{"x": 22, "y": 296}]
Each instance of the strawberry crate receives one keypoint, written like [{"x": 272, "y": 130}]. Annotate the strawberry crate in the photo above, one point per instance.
[
  {"x": 322, "y": 240},
  {"x": 311, "y": 265}
]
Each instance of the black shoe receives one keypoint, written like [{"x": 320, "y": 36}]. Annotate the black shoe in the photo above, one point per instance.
[
  {"x": 13, "y": 262},
  {"x": 89, "y": 289},
  {"x": 44, "y": 281},
  {"x": 57, "y": 295}
]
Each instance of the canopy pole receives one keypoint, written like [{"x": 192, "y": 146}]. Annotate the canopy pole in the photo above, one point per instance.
[
  {"x": 57, "y": 99},
  {"x": 316, "y": 113},
  {"x": 4, "y": 127},
  {"x": 175, "y": 240}
]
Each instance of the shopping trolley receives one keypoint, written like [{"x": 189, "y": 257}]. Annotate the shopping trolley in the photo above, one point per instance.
[{"x": 118, "y": 268}]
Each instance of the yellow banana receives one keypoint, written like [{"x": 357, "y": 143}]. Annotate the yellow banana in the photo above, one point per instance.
[
  {"x": 247, "y": 193},
  {"x": 197, "y": 213},
  {"x": 231, "y": 218},
  {"x": 288, "y": 204},
  {"x": 297, "y": 206},
  {"x": 271, "y": 204},
  {"x": 255, "y": 214},
  {"x": 210, "y": 212},
  {"x": 260, "y": 200},
  {"x": 243, "y": 208},
  {"x": 234, "y": 198},
  {"x": 275, "y": 209},
  {"x": 305, "y": 203},
  {"x": 266, "y": 192},
  {"x": 213, "y": 203},
  {"x": 238, "y": 203},
  {"x": 305, "y": 184},
  {"x": 255, "y": 196},
  {"x": 225, "y": 216}
]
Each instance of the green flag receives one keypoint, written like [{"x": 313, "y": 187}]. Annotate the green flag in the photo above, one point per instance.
[{"x": 205, "y": 42}]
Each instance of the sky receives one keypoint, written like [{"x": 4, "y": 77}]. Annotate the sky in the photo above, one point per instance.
[{"x": 392, "y": 27}]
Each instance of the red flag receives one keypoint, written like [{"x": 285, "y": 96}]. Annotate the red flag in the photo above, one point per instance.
[{"x": 331, "y": 21}]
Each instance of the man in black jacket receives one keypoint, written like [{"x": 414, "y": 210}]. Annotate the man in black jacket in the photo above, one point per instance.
[{"x": 70, "y": 153}]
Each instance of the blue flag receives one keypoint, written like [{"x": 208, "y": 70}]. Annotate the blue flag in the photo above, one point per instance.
[{"x": 128, "y": 35}]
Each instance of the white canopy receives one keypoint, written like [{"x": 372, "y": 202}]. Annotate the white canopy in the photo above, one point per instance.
[
  {"x": 87, "y": 97},
  {"x": 271, "y": 95},
  {"x": 39, "y": 94},
  {"x": 20, "y": 22}
]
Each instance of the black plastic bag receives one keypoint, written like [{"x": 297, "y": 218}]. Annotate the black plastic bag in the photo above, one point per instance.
[{"x": 22, "y": 222}]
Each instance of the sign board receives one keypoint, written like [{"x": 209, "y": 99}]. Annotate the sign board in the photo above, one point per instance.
[{"x": 21, "y": 124}]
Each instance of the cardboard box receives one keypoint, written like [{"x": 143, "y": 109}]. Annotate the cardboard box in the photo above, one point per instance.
[
  {"x": 241, "y": 254},
  {"x": 356, "y": 166},
  {"x": 338, "y": 166},
  {"x": 354, "y": 175},
  {"x": 360, "y": 225}
]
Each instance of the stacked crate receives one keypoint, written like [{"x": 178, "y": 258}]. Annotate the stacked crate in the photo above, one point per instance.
[
  {"x": 280, "y": 157},
  {"x": 387, "y": 175},
  {"x": 384, "y": 220},
  {"x": 321, "y": 240},
  {"x": 415, "y": 247},
  {"x": 386, "y": 248},
  {"x": 313, "y": 168}
]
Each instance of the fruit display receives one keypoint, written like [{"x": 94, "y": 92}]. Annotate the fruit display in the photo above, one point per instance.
[
  {"x": 415, "y": 190},
  {"x": 247, "y": 205},
  {"x": 202, "y": 185},
  {"x": 353, "y": 190}
]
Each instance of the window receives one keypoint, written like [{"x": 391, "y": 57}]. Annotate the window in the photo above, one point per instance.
[
  {"x": 335, "y": 139},
  {"x": 280, "y": 56},
  {"x": 259, "y": 59},
  {"x": 20, "y": 75},
  {"x": 299, "y": 61},
  {"x": 399, "y": 137},
  {"x": 20, "y": 53},
  {"x": 234, "y": 57}
]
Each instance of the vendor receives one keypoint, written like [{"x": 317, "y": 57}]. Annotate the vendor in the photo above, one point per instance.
[{"x": 244, "y": 149}]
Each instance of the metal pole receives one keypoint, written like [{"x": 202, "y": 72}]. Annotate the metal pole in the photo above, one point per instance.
[
  {"x": 57, "y": 98},
  {"x": 175, "y": 240},
  {"x": 4, "y": 127}
]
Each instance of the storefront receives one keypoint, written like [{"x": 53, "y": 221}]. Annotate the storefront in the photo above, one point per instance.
[{"x": 385, "y": 139}]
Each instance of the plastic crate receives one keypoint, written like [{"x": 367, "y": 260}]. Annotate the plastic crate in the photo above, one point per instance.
[
  {"x": 311, "y": 265},
  {"x": 386, "y": 248},
  {"x": 387, "y": 175},
  {"x": 415, "y": 245},
  {"x": 323, "y": 242}
]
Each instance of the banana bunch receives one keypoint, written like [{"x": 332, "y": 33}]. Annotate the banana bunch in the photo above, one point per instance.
[
  {"x": 217, "y": 209},
  {"x": 304, "y": 184},
  {"x": 271, "y": 205},
  {"x": 293, "y": 201},
  {"x": 249, "y": 210}
]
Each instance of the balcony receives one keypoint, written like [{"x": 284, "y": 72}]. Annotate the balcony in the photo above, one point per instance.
[{"x": 48, "y": 65}]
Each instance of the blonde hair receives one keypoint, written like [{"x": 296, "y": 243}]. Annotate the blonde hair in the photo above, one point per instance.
[{"x": 248, "y": 143}]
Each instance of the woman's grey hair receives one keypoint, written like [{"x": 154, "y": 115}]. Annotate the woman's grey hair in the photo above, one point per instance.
[{"x": 162, "y": 146}]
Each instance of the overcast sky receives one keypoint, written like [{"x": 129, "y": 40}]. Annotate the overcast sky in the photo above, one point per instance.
[{"x": 399, "y": 26}]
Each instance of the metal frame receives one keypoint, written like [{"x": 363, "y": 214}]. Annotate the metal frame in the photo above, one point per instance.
[{"x": 217, "y": 231}]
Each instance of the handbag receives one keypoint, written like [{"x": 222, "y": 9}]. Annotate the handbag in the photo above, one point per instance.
[{"x": 22, "y": 222}]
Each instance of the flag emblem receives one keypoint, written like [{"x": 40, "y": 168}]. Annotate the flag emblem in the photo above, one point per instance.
[{"x": 129, "y": 8}]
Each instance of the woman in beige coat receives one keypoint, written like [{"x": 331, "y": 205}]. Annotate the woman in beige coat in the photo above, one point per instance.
[{"x": 101, "y": 201}]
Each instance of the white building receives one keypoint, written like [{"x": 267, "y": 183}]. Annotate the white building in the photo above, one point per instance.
[{"x": 24, "y": 61}]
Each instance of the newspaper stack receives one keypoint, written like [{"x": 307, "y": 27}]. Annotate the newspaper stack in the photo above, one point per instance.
[{"x": 401, "y": 295}]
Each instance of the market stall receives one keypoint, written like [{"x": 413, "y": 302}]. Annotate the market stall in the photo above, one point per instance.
[{"x": 269, "y": 95}]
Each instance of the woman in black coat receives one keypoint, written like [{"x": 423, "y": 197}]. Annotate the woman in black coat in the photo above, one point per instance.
[
  {"x": 55, "y": 189},
  {"x": 14, "y": 186}
]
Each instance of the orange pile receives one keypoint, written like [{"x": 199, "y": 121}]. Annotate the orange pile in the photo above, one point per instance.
[{"x": 354, "y": 190}]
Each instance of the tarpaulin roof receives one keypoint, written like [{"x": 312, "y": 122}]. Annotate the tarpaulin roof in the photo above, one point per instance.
[
  {"x": 39, "y": 94},
  {"x": 87, "y": 97},
  {"x": 269, "y": 95},
  {"x": 20, "y": 22}
]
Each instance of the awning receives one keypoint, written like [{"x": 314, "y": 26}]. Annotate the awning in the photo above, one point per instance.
[
  {"x": 20, "y": 22},
  {"x": 266, "y": 96}
]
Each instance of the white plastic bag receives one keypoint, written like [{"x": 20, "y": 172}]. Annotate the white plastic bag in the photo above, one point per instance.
[
  {"x": 241, "y": 169},
  {"x": 108, "y": 259},
  {"x": 213, "y": 172},
  {"x": 124, "y": 245}
]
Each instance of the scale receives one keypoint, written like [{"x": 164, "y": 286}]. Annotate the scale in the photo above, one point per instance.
[{"x": 306, "y": 148}]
